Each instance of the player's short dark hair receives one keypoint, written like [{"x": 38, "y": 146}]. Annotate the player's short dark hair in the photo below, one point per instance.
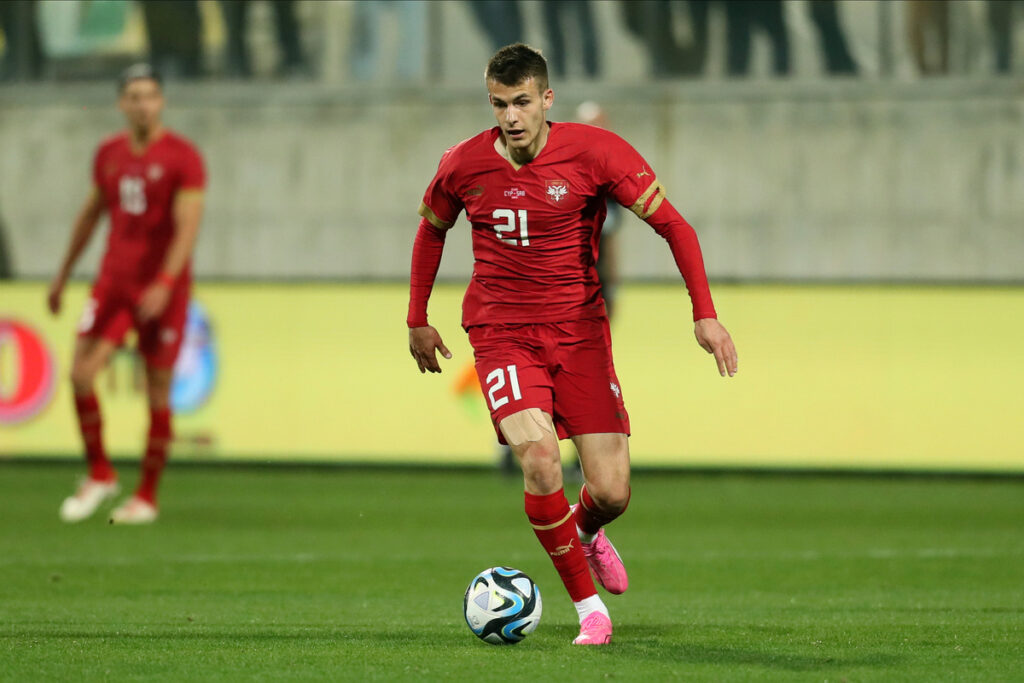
[
  {"x": 513, "y": 64},
  {"x": 137, "y": 72}
]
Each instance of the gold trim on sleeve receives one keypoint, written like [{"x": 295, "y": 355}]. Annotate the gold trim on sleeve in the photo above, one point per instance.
[
  {"x": 659, "y": 197},
  {"x": 427, "y": 213},
  {"x": 641, "y": 207}
]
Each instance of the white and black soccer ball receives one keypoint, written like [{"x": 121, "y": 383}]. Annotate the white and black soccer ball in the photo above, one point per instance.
[{"x": 502, "y": 605}]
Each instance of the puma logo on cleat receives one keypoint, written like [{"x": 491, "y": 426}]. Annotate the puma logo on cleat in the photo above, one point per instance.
[{"x": 561, "y": 550}]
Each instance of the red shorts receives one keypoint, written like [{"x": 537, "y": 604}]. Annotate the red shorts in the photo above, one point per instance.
[
  {"x": 110, "y": 312},
  {"x": 564, "y": 368}
]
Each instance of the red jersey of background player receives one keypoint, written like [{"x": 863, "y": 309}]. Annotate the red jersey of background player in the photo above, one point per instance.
[
  {"x": 536, "y": 228},
  {"x": 138, "y": 191}
]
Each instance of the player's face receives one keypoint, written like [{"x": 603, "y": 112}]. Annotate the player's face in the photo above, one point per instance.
[
  {"x": 520, "y": 111},
  {"x": 142, "y": 101}
]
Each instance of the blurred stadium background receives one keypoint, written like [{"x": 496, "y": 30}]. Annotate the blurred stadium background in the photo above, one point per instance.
[{"x": 858, "y": 189}]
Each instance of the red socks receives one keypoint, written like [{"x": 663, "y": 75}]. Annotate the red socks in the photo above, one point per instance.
[
  {"x": 553, "y": 523},
  {"x": 90, "y": 423},
  {"x": 156, "y": 453},
  {"x": 589, "y": 517}
]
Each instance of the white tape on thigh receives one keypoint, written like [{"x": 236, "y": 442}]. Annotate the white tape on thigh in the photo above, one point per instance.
[{"x": 525, "y": 426}]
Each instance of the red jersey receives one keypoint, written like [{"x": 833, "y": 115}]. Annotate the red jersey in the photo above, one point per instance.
[
  {"x": 138, "y": 191},
  {"x": 536, "y": 228}
]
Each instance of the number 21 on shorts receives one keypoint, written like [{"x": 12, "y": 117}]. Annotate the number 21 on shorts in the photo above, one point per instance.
[{"x": 496, "y": 382}]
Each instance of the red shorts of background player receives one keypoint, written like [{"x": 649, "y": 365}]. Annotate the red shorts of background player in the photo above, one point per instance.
[
  {"x": 111, "y": 311},
  {"x": 564, "y": 368}
]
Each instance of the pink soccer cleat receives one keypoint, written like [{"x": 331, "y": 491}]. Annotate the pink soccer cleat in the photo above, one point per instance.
[
  {"x": 606, "y": 564},
  {"x": 595, "y": 630}
]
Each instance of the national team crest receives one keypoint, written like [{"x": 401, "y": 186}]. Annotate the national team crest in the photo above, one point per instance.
[{"x": 557, "y": 191}]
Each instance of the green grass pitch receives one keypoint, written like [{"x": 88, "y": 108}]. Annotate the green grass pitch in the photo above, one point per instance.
[{"x": 348, "y": 574}]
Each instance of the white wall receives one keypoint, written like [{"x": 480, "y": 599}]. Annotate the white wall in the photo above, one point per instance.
[{"x": 845, "y": 180}]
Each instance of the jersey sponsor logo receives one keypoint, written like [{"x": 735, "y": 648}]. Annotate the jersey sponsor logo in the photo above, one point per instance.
[
  {"x": 515, "y": 193},
  {"x": 557, "y": 190},
  {"x": 26, "y": 372}
]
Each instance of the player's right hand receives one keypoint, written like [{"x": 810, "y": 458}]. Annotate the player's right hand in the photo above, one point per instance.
[
  {"x": 53, "y": 296},
  {"x": 424, "y": 342}
]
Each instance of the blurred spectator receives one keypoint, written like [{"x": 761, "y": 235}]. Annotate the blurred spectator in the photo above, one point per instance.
[
  {"x": 928, "y": 34},
  {"x": 22, "y": 58},
  {"x": 743, "y": 17},
  {"x": 173, "y": 27},
  {"x": 825, "y": 15},
  {"x": 501, "y": 21},
  {"x": 564, "y": 18},
  {"x": 6, "y": 272},
  {"x": 236, "y": 19},
  {"x": 412, "y": 38},
  {"x": 696, "y": 56},
  {"x": 592, "y": 114},
  {"x": 1001, "y": 16},
  {"x": 651, "y": 21}
]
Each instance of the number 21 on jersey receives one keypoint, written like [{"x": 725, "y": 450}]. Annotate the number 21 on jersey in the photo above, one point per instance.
[
  {"x": 496, "y": 382},
  {"x": 509, "y": 227}
]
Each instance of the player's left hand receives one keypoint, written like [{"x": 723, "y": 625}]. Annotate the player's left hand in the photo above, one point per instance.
[
  {"x": 715, "y": 339},
  {"x": 153, "y": 301}
]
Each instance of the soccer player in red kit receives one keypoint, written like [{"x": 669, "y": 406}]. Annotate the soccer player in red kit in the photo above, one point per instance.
[
  {"x": 150, "y": 181},
  {"x": 534, "y": 193}
]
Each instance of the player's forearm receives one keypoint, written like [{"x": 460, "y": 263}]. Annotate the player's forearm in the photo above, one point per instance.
[
  {"x": 426, "y": 259},
  {"x": 81, "y": 233},
  {"x": 187, "y": 216},
  {"x": 682, "y": 240}
]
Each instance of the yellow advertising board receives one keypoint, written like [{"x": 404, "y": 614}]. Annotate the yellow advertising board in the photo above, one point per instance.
[{"x": 847, "y": 377}]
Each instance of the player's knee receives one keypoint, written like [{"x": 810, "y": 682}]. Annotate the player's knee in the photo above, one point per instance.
[
  {"x": 158, "y": 387},
  {"x": 82, "y": 377},
  {"x": 609, "y": 496},
  {"x": 542, "y": 467}
]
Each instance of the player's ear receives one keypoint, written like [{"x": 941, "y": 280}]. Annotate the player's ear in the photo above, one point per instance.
[{"x": 548, "y": 98}]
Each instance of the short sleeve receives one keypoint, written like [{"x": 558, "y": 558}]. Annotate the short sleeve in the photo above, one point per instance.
[
  {"x": 441, "y": 204},
  {"x": 193, "y": 173},
  {"x": 630, "y": 179}
]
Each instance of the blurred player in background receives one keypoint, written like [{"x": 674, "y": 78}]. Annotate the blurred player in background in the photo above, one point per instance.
[
  {"x": 534, "y": 193},
  {"x": 150, "y": 180}
]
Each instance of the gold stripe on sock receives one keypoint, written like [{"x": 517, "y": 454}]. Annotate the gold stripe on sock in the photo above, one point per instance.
[{"x": 544, "y": 527}]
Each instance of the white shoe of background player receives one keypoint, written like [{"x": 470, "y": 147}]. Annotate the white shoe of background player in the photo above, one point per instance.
[
  {"x": 134, "y": 511},
  {"x": 89, "y": 496}
]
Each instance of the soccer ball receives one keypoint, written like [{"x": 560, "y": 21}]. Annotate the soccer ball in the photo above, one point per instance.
[{"x": 502, "y": 605}]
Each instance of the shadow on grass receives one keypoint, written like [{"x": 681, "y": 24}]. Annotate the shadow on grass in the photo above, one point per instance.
[{"x": 660, "y": 643}]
